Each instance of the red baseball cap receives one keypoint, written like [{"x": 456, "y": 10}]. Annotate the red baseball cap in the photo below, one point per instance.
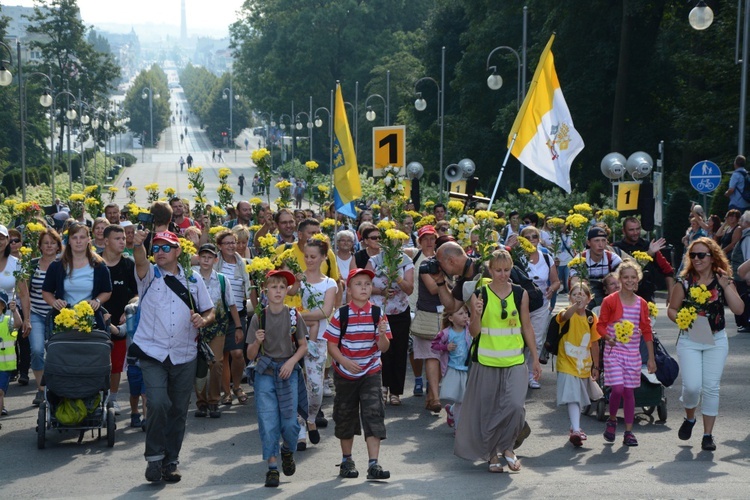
[
  {"x": 289, "y": 277},
  {"x": 357, "y": 271},
  {"x": 169, "y": 237},
  {"x": 425, "y": 230}
]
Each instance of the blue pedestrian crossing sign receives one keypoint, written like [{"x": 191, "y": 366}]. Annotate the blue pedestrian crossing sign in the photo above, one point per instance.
[{"x": 705, "y": 176}]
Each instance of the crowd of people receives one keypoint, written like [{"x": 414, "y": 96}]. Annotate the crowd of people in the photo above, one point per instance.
[{"x": 339, "y": 316}]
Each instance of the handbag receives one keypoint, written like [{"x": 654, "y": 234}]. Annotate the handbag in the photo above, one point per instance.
[
  {"x": 595, "y": 392},
  {"x": 667, "y": 368},
  {"x": 205, "y": 358}
]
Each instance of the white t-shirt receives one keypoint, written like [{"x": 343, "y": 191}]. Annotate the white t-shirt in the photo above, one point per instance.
[{"x": 313, "y": 294}]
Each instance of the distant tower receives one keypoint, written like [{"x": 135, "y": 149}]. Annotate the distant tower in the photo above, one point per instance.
[{"x": 183, "y": 27}]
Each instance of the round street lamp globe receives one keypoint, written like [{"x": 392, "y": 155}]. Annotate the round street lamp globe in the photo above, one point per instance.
[
  {"x": 420, "y": 104},
  {"x": 106, "y": 125},
  {"x": 494, "y": 81},
  {"x": 701, "y": 16},
  {"x": 370, "y": 115},
  {"x": 273, "y": 124},
  {"x": 318, "y": 122},
  {"x": 71, "y": 114},
  {"x": 298, "y": 126},
  {"x": 95, "y": 123},
  {"x": 144, "y": 96},
  {"x": 45, "y": 100},
  {"x": 309, "y": 125},
  {"x": 85, "y": 119},
  {"x": 282, "y": 126},
  {"x": 6, "y": 77}
]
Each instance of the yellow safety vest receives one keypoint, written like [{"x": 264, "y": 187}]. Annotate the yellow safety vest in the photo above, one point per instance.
[
  {"x": 501, "y": 341},
  {"x": 7, "y": 347}
]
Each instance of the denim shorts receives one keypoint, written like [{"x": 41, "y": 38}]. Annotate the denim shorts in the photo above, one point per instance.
[
  {"x": 135, "y": 381},
  {"x": 4, "y": 381}
]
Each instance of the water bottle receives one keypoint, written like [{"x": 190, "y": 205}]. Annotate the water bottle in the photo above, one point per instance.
[{"x": 130, "y": 310}]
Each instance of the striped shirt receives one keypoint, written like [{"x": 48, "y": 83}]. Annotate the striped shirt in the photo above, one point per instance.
[
  {"x": 360, "y": 342},
  {"x": 38, "y": 304},
  {"x": 238, "y": 290}
]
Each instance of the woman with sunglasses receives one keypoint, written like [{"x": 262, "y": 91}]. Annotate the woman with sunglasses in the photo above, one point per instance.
[
  {"x": 15, "y": 239},
  {"x": 232, "y": 266},
  {"x": 702, "y": 360},
  {"x": 492, "y": 412},
  {"x": 371, "y": 243},
  {"x": 540, "y": 266},
  {"x": 79, "y": 275}
]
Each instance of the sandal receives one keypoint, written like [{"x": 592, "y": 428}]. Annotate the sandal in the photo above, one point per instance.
[
  {"x": 496, "y": 468},
  {"x": 227, "y": 399},
  {"x": 514, "y": 464},
  {"x": 241, "y": 396},
  {"x": 395, "y": 400}
]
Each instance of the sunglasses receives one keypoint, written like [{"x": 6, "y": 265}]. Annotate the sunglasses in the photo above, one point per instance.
[
  {"x": 374, "y": 238},
  {"x": 15, "y": 240},
  {"x": 504, "y": 309},
  {"x": 163, "y": 248},
  {"x": 527, "y": 222},
  {"x": 698, "y": 255}
]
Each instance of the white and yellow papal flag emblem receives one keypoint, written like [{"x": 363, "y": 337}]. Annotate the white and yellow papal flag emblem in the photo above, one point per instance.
[{"x": 545, "y": 139}]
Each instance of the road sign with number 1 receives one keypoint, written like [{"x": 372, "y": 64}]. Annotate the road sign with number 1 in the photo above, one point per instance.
[{"x": 388, "y": 148}]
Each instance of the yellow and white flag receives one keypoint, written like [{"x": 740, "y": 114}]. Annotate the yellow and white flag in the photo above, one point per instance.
[{"x": 547, "y": 142}]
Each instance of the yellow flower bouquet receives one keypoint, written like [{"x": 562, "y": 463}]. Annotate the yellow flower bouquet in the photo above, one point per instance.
[
  {"x": 624, "y": 331},
  {"x": 80, "y": 317}
]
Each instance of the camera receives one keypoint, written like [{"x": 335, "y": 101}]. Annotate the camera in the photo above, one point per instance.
[
  {"x": 429, "y": 266},
  {"x": 146, "y": 218}
]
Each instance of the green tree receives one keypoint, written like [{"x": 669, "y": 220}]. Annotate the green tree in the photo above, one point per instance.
[{"x": 137, "y": 103}]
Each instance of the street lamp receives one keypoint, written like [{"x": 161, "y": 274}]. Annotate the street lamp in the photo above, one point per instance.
[
  {"x": 268, "y": 123},
  {"x": 282, "y": 126},
  {"x": 6, "y": 77},
  {"x": 309, "y": 125},
  {"x": 370, "y": 114},
  {"x": 151, "y": 96},
  {"x": 700, "y": 18},
  {"x": 319, "y": 123},
  {"x": 46, "y": 101},
  {"x": 420, "y": 104},
  {"x": 229, "y": 94}
]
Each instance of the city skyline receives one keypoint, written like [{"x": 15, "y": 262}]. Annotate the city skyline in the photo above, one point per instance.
[{"x": 202, "y": 17}]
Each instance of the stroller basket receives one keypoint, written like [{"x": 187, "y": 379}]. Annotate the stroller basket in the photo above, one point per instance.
[{"x": 78, "y": 364}]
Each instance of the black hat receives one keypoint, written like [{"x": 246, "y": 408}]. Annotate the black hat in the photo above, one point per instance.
[
  {"x": 597, "y": 232},
  {"x": 208, "y": 247}
]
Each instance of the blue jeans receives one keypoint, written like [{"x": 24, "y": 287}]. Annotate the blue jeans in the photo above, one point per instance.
[
  {"x": 168, "y": 391},
  {"x": 270, "y": 424},
  {"x": 36, "y": 340}
]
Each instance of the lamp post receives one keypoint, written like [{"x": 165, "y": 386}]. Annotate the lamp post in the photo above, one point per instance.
[
  {"x": 420, "y": 104},
  {"x": 298, "y": 125},
  {"x": 371, "y": 115},
  {"x": 229, "y": 94},
  {"x": 282, "y": 126},
  {"x": 151, "y": 96},
  {"x": 83, "y": 119},
  {"x": 319, "y": 123},
  {"x": 700, "y": 18},
  {"x": 495, "y": 81},
  {"x": 268, "y": 123},
  {"x": 46, "y": 101}
]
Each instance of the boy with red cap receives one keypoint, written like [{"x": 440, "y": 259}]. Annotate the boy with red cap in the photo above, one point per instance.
[
  {"x": 357, "y": 335},
  {"x": 277, "y": 374}
]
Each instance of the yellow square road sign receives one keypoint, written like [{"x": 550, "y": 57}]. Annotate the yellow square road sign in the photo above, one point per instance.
[
  {"x": 388, "y": 148},
  {"x": 627, "y": 196}
]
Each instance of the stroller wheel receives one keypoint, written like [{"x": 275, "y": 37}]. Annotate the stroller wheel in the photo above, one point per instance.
[
  {"x": 41, "y": 425},
  {"x": 661, "y": 410},
  {"x": 649, "y": 410},
  {"x": 601, "y": 408},
  {"x": 111, "y": 426},
  {"x": 585, "y": 410}
]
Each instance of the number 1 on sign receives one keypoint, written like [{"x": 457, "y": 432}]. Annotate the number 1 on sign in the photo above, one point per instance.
[
  {"x": 388, "y": 148},
  {"x": 627, "y": 196},
  {"x": 391, "y": 142}
]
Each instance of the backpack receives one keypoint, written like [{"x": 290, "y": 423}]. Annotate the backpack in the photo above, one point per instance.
[
  {"x": 344, "y": 319},
  {"x": 737, "y": 258},
  {"x": 536, "y": 297},
  {"x": 745, "y": 192},
  {"x": 556, "y": 331}
]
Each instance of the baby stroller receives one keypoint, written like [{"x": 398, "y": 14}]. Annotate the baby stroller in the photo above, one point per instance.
[
  {"x": 649, "y": 396},
  {"x": 76, "y": 379}
]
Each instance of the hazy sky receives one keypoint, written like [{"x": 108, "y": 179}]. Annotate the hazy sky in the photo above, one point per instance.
[{"x": 213, "y": 15}]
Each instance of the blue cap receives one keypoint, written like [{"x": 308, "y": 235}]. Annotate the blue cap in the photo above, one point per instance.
[{"x": 4, "y": 298}]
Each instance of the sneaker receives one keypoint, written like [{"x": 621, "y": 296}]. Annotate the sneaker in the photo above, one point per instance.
[
  {"x": 135, "y": 420},
  {"x": 301, "y": 445},
  {"x": 418, "y": 388},
  {"x": 38, "y": 399},
  {"x": 533, "y": 384},
  {"x": 348, "y": 470},
  {"x": 213, "y": 411},
  {"x": 170, "y": 474},
  {"x": 272, "y": 478},
  {"x": 376, "y": 472},
  {"x": 201, "y": 412},
  {"x": 575, "y": 439},
  {"x": 327, "y": 391},
  {"x": 320, "y": 420},
  {"x": 543, "y": 356},
  {"x": 707, "y": 443},
  {"x": 153, "y": 471},
  {"x": 686, "y": 429},
  {"x": 287, "y": 463},
  {"x": 449, "y": 415},
  {"x": 4, "y": 412},
  {"x": 314, "y": 435},
  {"x": 629, "y": 439},
  {"x": 609, "y": 433},
  {"x": 583, "y": 435},
  {"x": 525, "y": 433},
  {"x": 23, "y": 379},
  {"x": 116, "y": 406}
]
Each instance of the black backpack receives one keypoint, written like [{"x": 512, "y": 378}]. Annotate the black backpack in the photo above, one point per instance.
[
  {"x": 344, "y": 319},
  {"x": 745, "y": 192},
  {"x": 536, "y": 297},
  {"x": 556, "y": 331}
]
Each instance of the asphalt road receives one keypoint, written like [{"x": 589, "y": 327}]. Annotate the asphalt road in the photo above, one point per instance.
[{"x": 222, "y": 457}]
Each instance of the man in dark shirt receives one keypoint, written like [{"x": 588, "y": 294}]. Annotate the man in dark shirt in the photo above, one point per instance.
[
  {"x": 631, "y": 242},
  {"x": 124, "y": 288}
]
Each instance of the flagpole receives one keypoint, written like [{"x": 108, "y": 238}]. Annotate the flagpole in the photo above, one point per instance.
[{"x": 502, "y": 169}]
